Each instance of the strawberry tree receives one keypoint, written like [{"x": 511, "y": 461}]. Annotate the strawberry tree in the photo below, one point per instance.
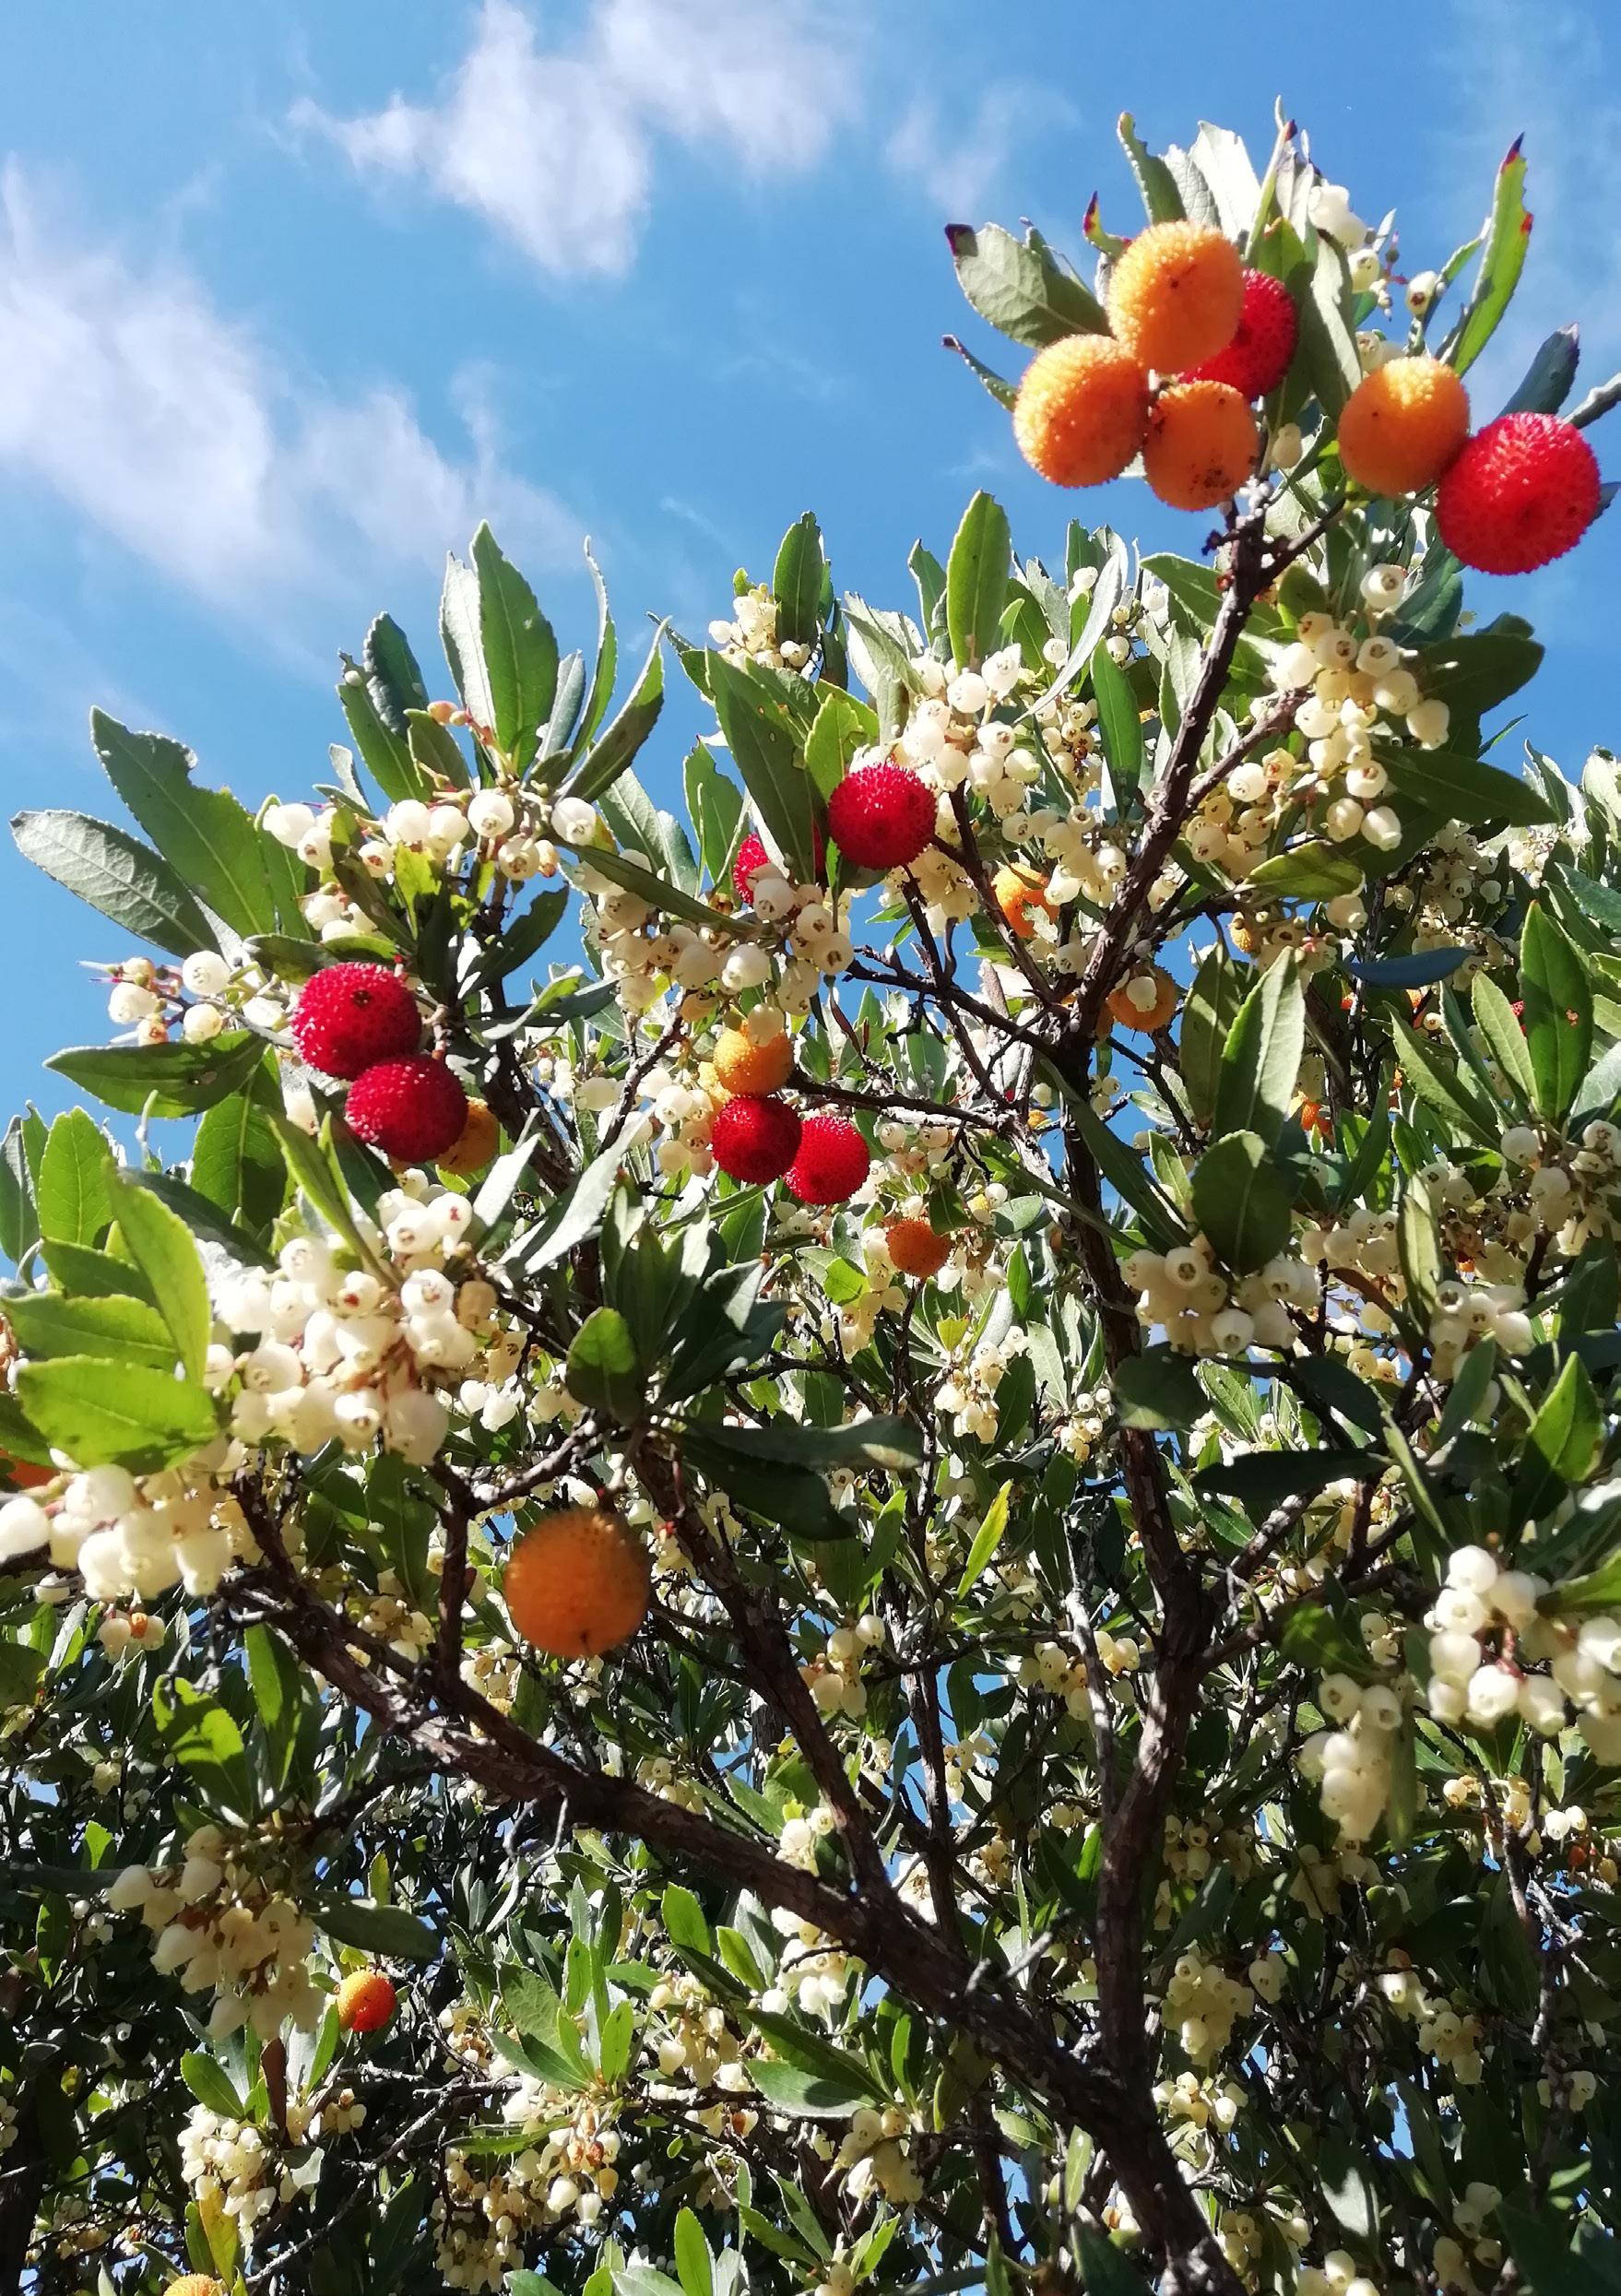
[{"x": 873, "y": 1538}]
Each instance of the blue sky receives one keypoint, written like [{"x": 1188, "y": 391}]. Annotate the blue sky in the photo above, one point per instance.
[{"x": 291, "y": 297}]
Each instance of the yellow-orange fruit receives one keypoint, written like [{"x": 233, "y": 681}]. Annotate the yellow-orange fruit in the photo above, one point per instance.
[
  {"x": 365, "y": 2001},
  {"x": 1082, "y": 410},
  {"x": 915, "y": 1248},
  {"x": 1402, "y": 425},
  {"x": 23, "y": 1474},
  {"x": 1201, "y": 447},
  {"x": 1176, "y": 295},
  {"x": 743, "y": 1066},
  {"x": 193, "y": 2284},
  {"x": 577, "y": 1584},
  {"x": 1131, "y": 1013},
  {"x": 480, "y": 1137},
  {"x": 1021, "y": 894}
]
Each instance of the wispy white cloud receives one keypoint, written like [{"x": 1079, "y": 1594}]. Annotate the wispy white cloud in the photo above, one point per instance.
[
  {"x": 554, "y": 148},
  {"x": 959, "y": 166},
  {"x": 165, "y": 423}
]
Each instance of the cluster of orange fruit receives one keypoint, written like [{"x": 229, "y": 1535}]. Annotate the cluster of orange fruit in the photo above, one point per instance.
[{"x": 1178, "y": 301}]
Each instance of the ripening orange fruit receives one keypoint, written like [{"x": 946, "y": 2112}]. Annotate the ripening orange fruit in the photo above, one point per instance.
[
  {"x": 480, "y": 1137},
  {"x": 1176, "y": 295},
  {"x": 1201, "y": 447},
  {"x": 193, "y": 2284},
  {"x": 577, "y": 1584},
  {"x": 742, "y": 1066},
  {"x": 1153, "y": 1004},
  {"x": 1082, "y": 410},
  {"x": 915, "y": 1248},
  {"x": 1402, "y": 425},
  {"x": 1021, "y": 894},
  {"x": 365, "y": 2001}
]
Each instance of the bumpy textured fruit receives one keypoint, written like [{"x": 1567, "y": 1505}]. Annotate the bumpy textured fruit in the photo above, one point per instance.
[
  {"x": 1258, "y": 356},
  {"x": 1176, "y": 295},
  {"x": 915, "y": 1248},
  {"x": 1155, "y": 1013},
  {"x": 741, "y": 1066},
  {"x": 751, "y": 854},
  {"x": 413, "y": 1110},
  {"x": 1525, "y": 492},
  {"x": 365, "y": 2001},
  {"x": 1201, "y": 447},
  {"x": 1082, "y": 410},
  {"x": 193, "y": 2284},
  {"x": 480, "y": 1137},
  {"x": 755, "y": 1139},
  {"x": 832, "y": 1161},
  {"x": 1021, "y": 894},
  {"x": 576, "y": 1584},
  {"x": 350, "y": 1016},
  {"x": 1402, "y": 425},
  {"x": 881, "y": 816}
]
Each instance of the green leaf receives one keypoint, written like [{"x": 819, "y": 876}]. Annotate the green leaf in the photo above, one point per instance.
[
  {"x": 693, "y": 2261},
  {"x": 72, "y": 1198},
  {"x": 1503, "y": 260},
  {"x": 1347, "y": 2187},
  {"x": 462, "y": 637},
  {"x": 199, "y": 1734},
  {"x": 274, "y": 1676},
  {"x": 393, "y": 678},
  {"x": 1121, "y": 1166},
  {"x": 1328, "y": 351},
  {"x": 314, "y": 1168},
  {"x": 1419, "y": 1247},
  {"x": 1207, "y": 1014},
  {"x": 385, "y": 748},
  {"x": 211, "y": 2085},
  {"x": 795, "y": 581},
  {"x": 882, "y": 1442},
  {"x": 1261, "y": 1061},
  {"x": 1104, "y": 2268},
  {"x": 977, "y": 580},
  {"x": 714, "y": 805},
  {"x": 1463, "y": 789},
  {"x": 100, "y": 1411},
  {"x": 48, "y": 1325},
  {"x": 161, "y": 1245},
  {"x": 376, "y": 1928},
  {"x": 1497, "y": 1022},
  {"x": 1560, "y": 1444},
  {"x": 1154, "y": 180},
  {"x": 613, "y": 2059},
  {"x": 1307, "y": 872},
  {"x": 206, "y": 835},
  {"x": 237, "y": 1161},
  {"x": 602, "y": 1372},
  {"x": 1158, "y": 1389},
  {"x": 129, "y": 883},
  {"x": 575, "y": 1217},
  {"x": 20, "y": 1225},
  {"x": 683, "y": 1920},
  {"x": 1263, "y": 1479},
  {"x": 1558, "y": 1013},
  {"x": 791, "y": 1497},
  {"x": 204, "y": 1217},
  {"x": 175, "y": 1079},
  {"x": 763, "y": 743},
  {"x": 1020, "y": 288},
  {"x": 94, "y": 1274},
  {"x": 1120, "y": 726},
  {"x": 844, "y": 725},
  {"x": 607, "y": 759},
  {"x": 987, "y": 1539},
  {"x": 660, "y": 894},
  {"x": 519, "y": 651},
  {"x": 1473, "y": 672},
  {"x": 1005, "y": 394},
  {"x": 1242, "y": 1200},
  {"x": 808, "y": 2096},
  {"x": 1455, "y": 1098}
]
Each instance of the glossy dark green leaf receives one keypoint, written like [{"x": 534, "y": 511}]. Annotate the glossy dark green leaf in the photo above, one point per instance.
[
  {"x": 1474, "y": 672},
  {"x": 895, "y": 1444},
  {"x": 1463, "y": 789},
  {"x": 1020, "y": 288},
  {"x": 161, "y": 1245},
  {"x": 602, "y": 764},
  {"x": 75, "y": 1177},
  {"x": 206, "y": 1220},
  {"x": 49, "y": 1324},
  {"x": 791, "y": 1497},
  {"x": 765, "y": 750},
  {"x": 1120, "y": 724},
  {"x": 387, "y": 1929},
  {"x": 1550, "y": 375},
  {"x": 174, "y": 1079},
  {"x": 603, "y": 1371},
  {"x": 210, "y": 840},
  {"x": 1557, "y": 1012},
  {"x": 977, "y": 580},
  {"x": 1260, "y": 1060},
  {"x": 1501, "y": 262},
  {"x": 1242, "y": 1200},
  {"x": 797, "y": 580},
  {"x": 1263, "y": 1479},
  {"x": 1498, "y": 1024},
  {"x": 393, "y": 679},
  {"x": 236, "y": 1159},
  {"x": 129, "y": 883},
  {"x": 385, "y": 753},
  {"x": 1208, "y": 1012},
  {"x": 199, "y": 1734},
  {"x": 519, "y": 651},
  {"x": 88, "y": 1275},
  {"x": 1157, "y": 1389}
]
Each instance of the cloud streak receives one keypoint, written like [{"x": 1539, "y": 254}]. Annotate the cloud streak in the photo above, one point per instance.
[{"x": 554, "y": 148}]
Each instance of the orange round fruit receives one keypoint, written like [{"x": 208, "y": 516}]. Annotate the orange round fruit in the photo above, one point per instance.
[
  {"x": 577, "y": 1584},
  {"x": 1021, "y": 894},
  {"x": 365, "y": 2001},
  {"x": 1201, "y": 447},
  {"x": 915, "y": 1248},
  {"x": 742, "y": 1066},
  {"x": 480, "y": 1137},
  {"x": 1402, "y": 425},
  {"x": 1082, "y": 410},
  {"x": 1176, "y": 295},
  {"x": 193, "y": 2284},
  {"x": 1129, "y": 1013}
]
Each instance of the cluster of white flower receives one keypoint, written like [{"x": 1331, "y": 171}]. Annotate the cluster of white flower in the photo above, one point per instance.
[
  {"x": 1201, "y": 2104},
  {"x": 1450, "y": 2260},
  {"x": 228, "y": 1928},
  {"x": 576, "y": 2146},
  {"x": 1570, "y": 1200},
  {"x": 750, "y": 635},
  {"x": 1049, "y": 1667},
  {"x": 338, "y": 2112},
  {"x": 480, "y": 2222},
  {"x": 1446, "y": 2029},
  {"x": 1466, "y": 1312},
  {"x": 1203, "y": 2003},
  {"x": 1337, "y": 2276},
  {"x": 1204, "y": 1313},
  {"x": 129, "y": 1534},
  {"x": 802, "y": 1831},
  {"x": 659, "y": 1774},
  {"x": 1353, "y": 1762},
  {"x": 835, "y": 1680},
  {"x": 147, "y": 998},
  {"x": 968, "y": 1393},
  {"x": 875, "y": 2157},
  {"x": 232, "y": 2171},
  {"x": 348, "y": 1353}
]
